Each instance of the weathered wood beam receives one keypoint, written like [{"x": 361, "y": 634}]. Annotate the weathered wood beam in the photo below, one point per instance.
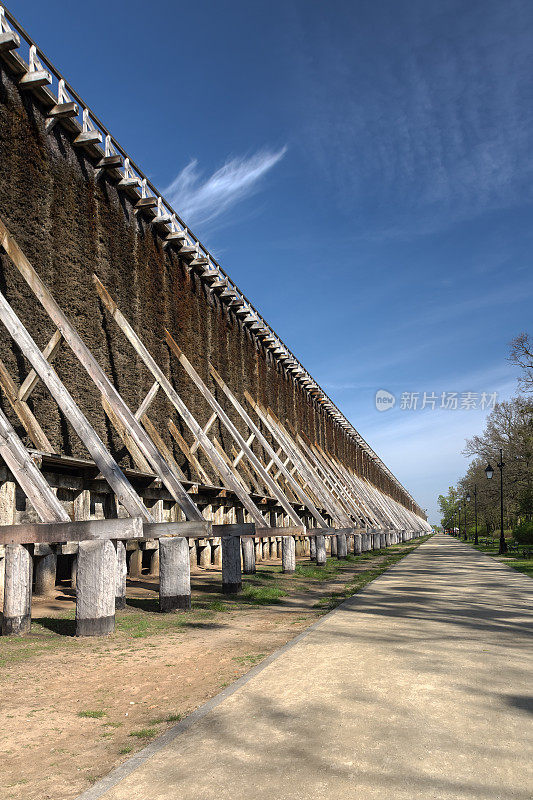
[
  {"x": 206, "y": 444},
  {"x": 186, "y": 450},
  {"x": 57, "y": 532},
  {"x": 107, "y": 465},
  {"x": 215, "y": 405},
  {"x": 97, "y": 374},
  {"x": 32, "y": 379},
  {"x": 23, "y": 411}
]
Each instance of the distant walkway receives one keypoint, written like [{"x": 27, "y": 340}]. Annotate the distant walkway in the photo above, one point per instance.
[{"x": 418, "y": 688}]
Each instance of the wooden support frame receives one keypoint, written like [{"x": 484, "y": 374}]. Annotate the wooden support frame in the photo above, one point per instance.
[
  {"x": 274, "y": 456},
  {"x": 107, "y": 465},
  {"x": 97, "y": 375},
  {"x": 208, "y": 396},
  {"x": 205, "y": 443}
]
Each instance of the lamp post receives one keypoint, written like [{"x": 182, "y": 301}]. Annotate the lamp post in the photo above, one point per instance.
[
  {"x": 489, "y": 472},
  {"x": 466, "y": 529},
  {"x": 468, "y": 498}
]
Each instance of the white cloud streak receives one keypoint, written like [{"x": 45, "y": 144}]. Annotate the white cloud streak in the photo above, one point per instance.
[{"x": 200, "y": 200}]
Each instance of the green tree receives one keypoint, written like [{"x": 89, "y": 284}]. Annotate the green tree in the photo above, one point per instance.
[{"x": 448, "y": 505}]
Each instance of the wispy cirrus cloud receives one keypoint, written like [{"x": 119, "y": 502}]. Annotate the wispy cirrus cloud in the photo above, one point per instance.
[{"x": 201, "y": 199}]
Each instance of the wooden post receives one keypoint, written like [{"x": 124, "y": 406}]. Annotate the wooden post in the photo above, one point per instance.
[
  {"x": 342, "y": 545},
  {"x": 136, "y": 562},
  {"x": 231, "y": 565},
  {"x": 320, "y": 550},
  {"x": 383, "y": 538},
  {"x": 204, "y": 554},
  {"x": 45, "y": 571},
  {"x": 333, "y": 545},
  {"x": 17, "y": 589},
  {"x": 121, "y": 574},
  {"x": 248, "y": 555},
  {"x": 312, "y": 548},
  {"x": 357, "y": 544},
  {"x": 95, "y": 588},
  {"x": 73, "y": 570},
  {"x": 288, "y": 554},
  {"x": 258, "y": 546},
  {"x": 266, "y": 549},
  {"x": 174, "y": 574},
  {"x": 376, "y": 541},
  {"x": 154, "y": 562}
]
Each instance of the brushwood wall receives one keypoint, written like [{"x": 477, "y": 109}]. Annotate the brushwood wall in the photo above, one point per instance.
[{"x": 72, "y": 224}]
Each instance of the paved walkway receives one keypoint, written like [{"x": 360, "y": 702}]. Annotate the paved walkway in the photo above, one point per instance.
[{"x": 419, "y": 687}]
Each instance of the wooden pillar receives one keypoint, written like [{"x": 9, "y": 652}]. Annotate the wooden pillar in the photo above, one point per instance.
[
  {"x": 17, "y": 589},
  {"x": 121, "y": 575},
  {"x": 279, "y": 547},
  {"x": 248, "y": 555},
  {"x": 383, "y": 537},
  {"x": 73, "y": 570},
  {"x": 376, "y": 541},
  {"x": 204, "y": 553},
  {"x": 273, "y": 542},
  {"x": 95, "y": 588},
  {"x": 231, "y": 564},
  {"x": 174, "y": 574},
  {"x": 2, "y": 575},
  {"x": 357, "y": 544},
  {"x": 154, "y": 561},
  {"x": 136, "y": 563},
  {"x": 258, "y": 545},
  {"x": 342, "y": 545},
  {"x": 320, "y": 550},
  {"x": 312, "y": 548},
  {"x": 288, "y": 555},
  {"x": 266, "y": 549},
  {"x": 333, "y": 545},
  {"x": 45, "y": 571}
]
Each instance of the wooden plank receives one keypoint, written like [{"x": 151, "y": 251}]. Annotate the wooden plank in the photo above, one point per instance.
[
  {"x": 162, "y": 447},
  {"x": 304, "y": 471},
  {"x": 191, "y": 530},
  {"x": 179, "y": 405},
  {"x": 259, "y": 468},
  {"x": 247, "y": 471},
  {"x": 97, "y": 375},
  {"x": 32, "y": 379},
  {"x": 107, "y": 465},
  {"x": 24, "y": 412},
  {"x": 241, "y": 452},
  {"x": 235, "y": 529},
  {"x": 56, "y": 532},
  {"x": 207, "y": 427},
  {"x": 131, "y": 445},
  {"x": 147, "y": 402},
  {"x": 28, "y": 477},
  {"x": 186, "y": 450},
  {"x": 227, "y": 461}
]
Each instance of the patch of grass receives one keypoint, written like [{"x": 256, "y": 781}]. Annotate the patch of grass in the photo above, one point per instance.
[
  {"x": 113, "y": 724},
  {"x": 262, "y": 595},
  {"x": 168, "y": 718},
  {"x": 125, "y": 750},
  {"x": 218, "y": 605},
  {"x": 92, "y": 714},
  {"x": 524, "y": 565},
  {"x": 144, "y": 733},
  {"x": 249, "y": 658}
]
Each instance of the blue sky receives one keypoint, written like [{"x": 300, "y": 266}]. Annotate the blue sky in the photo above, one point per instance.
[{"x": 363, "y": 171}]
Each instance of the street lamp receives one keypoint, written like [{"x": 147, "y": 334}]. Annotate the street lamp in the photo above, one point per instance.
[{"x": 489, "y": 472}]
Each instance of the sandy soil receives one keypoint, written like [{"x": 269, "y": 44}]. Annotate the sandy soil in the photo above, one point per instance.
[{"x": 137, "y": 681}]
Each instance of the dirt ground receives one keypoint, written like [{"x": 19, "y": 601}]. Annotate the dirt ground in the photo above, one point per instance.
[{"x": 72, "y": 709}]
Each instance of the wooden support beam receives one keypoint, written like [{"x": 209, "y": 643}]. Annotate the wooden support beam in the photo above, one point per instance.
[
  {"x": 97, "y": 374},
  {"x": 32, "y": 379},
  {"x": 57, "y": 532},
  {"x": 107, "y": 465},
  {"x": 147, "y": 402},
  {"x": 207, "y": 427},
  {"x": 215, "y": 405},
  {"x": 28, "y": 477},
  {"x": 162, "y": 447},
  {"x": 24, "y": 412},
  {"x": 177, "y": 402},
  {"x": 227, "y": 461},
  {"x": 186, "y": 450},
  {"x": 131, "y": 445}
]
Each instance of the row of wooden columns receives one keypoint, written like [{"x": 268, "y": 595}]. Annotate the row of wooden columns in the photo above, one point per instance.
[{"x": 102, "y": 571}]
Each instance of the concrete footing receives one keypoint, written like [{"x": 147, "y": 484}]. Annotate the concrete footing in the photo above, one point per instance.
[
  {"x": 320, "y": 550},
  {"x": 45, "y": 574},
  {"x": 121, "y": 575}
]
